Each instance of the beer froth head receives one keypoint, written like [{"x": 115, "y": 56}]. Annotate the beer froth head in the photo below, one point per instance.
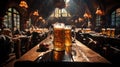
[
  {"x": 68, "y": 27},
  {"x": 59, "y": 25}
]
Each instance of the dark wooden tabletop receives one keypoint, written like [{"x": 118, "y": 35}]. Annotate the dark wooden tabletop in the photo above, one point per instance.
[{"x": 78, "y": 53}]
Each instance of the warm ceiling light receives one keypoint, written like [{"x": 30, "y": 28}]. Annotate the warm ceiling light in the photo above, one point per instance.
[
  {"x": 43, "y": 20},
  {"x": 35, "y": 13},
  {"x": 99, "y": 11},
  {"x": 23, "y": 4},
  {"x": 80, "y": 19},
  {"x": 86, "y": 15},
  {"x": 40, "y": 18}
]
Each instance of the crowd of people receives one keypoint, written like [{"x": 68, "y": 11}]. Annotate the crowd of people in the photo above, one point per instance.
[{"x": 9, "y": 41}]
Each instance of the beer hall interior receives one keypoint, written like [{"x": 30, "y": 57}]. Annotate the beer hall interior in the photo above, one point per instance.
[{"x": 68, "y": 32}]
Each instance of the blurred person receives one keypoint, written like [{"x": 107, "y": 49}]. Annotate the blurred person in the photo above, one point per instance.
[
  {"x": 2, "y": 25},
  {"x": 16, "y": 31},
  {"x": 5, "y": 46}
]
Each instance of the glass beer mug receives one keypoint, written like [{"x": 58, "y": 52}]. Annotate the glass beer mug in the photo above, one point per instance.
[
  {"x": 103, "y": 31},
  {"x": 68, "y": 38},
  {"x": 108, "y": 32},
  {"x": 112, "y": 32},
  {"x": 59, "y": 37}
]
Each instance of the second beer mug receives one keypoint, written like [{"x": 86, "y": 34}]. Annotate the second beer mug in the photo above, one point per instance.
[{"x": 68, "y": 38}]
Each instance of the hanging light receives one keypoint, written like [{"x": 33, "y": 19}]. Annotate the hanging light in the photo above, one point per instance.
[
  {"x": 99, "y": 11},
  {"x": 86, "y": 15},
  {"x": 80, "y": 19},
  {"x": 35, "y": 13},
  {"x": 40, "y": 18},
  {"x": 23, "y": 4}
]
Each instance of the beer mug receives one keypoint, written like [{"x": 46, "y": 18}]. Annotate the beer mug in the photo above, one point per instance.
[
  {"x": 59, "y": 37},
  {"x": 112, "y": 32},
  {"x": 103, "y": 31},
  {"x": 108, "y": 32},
  {"x": 68, "y": 38}
]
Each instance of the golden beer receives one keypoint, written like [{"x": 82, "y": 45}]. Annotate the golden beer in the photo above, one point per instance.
[
  {"x": 68, "y": 50},
  {"x": 59, "y": 37},
  {"x": 108, "y": 31},
  {"x": 103, "y": 31},
  {"x": 58, "y": 55},
  {"x": 112, "y": 32},
  {"x": 68, "y": 38}
]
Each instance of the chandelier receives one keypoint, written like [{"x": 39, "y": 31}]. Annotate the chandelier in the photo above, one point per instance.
[{"x": 23, "y": 4}]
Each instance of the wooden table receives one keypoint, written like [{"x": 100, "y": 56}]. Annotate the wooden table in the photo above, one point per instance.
[{"x": 83, "y": 53}]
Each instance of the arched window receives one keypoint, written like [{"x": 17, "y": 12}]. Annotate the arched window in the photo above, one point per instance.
[
  {"x": 116, "y": 18},
  {"x": 12, "y": 18},
  {"x": 61, "y": 12}
]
